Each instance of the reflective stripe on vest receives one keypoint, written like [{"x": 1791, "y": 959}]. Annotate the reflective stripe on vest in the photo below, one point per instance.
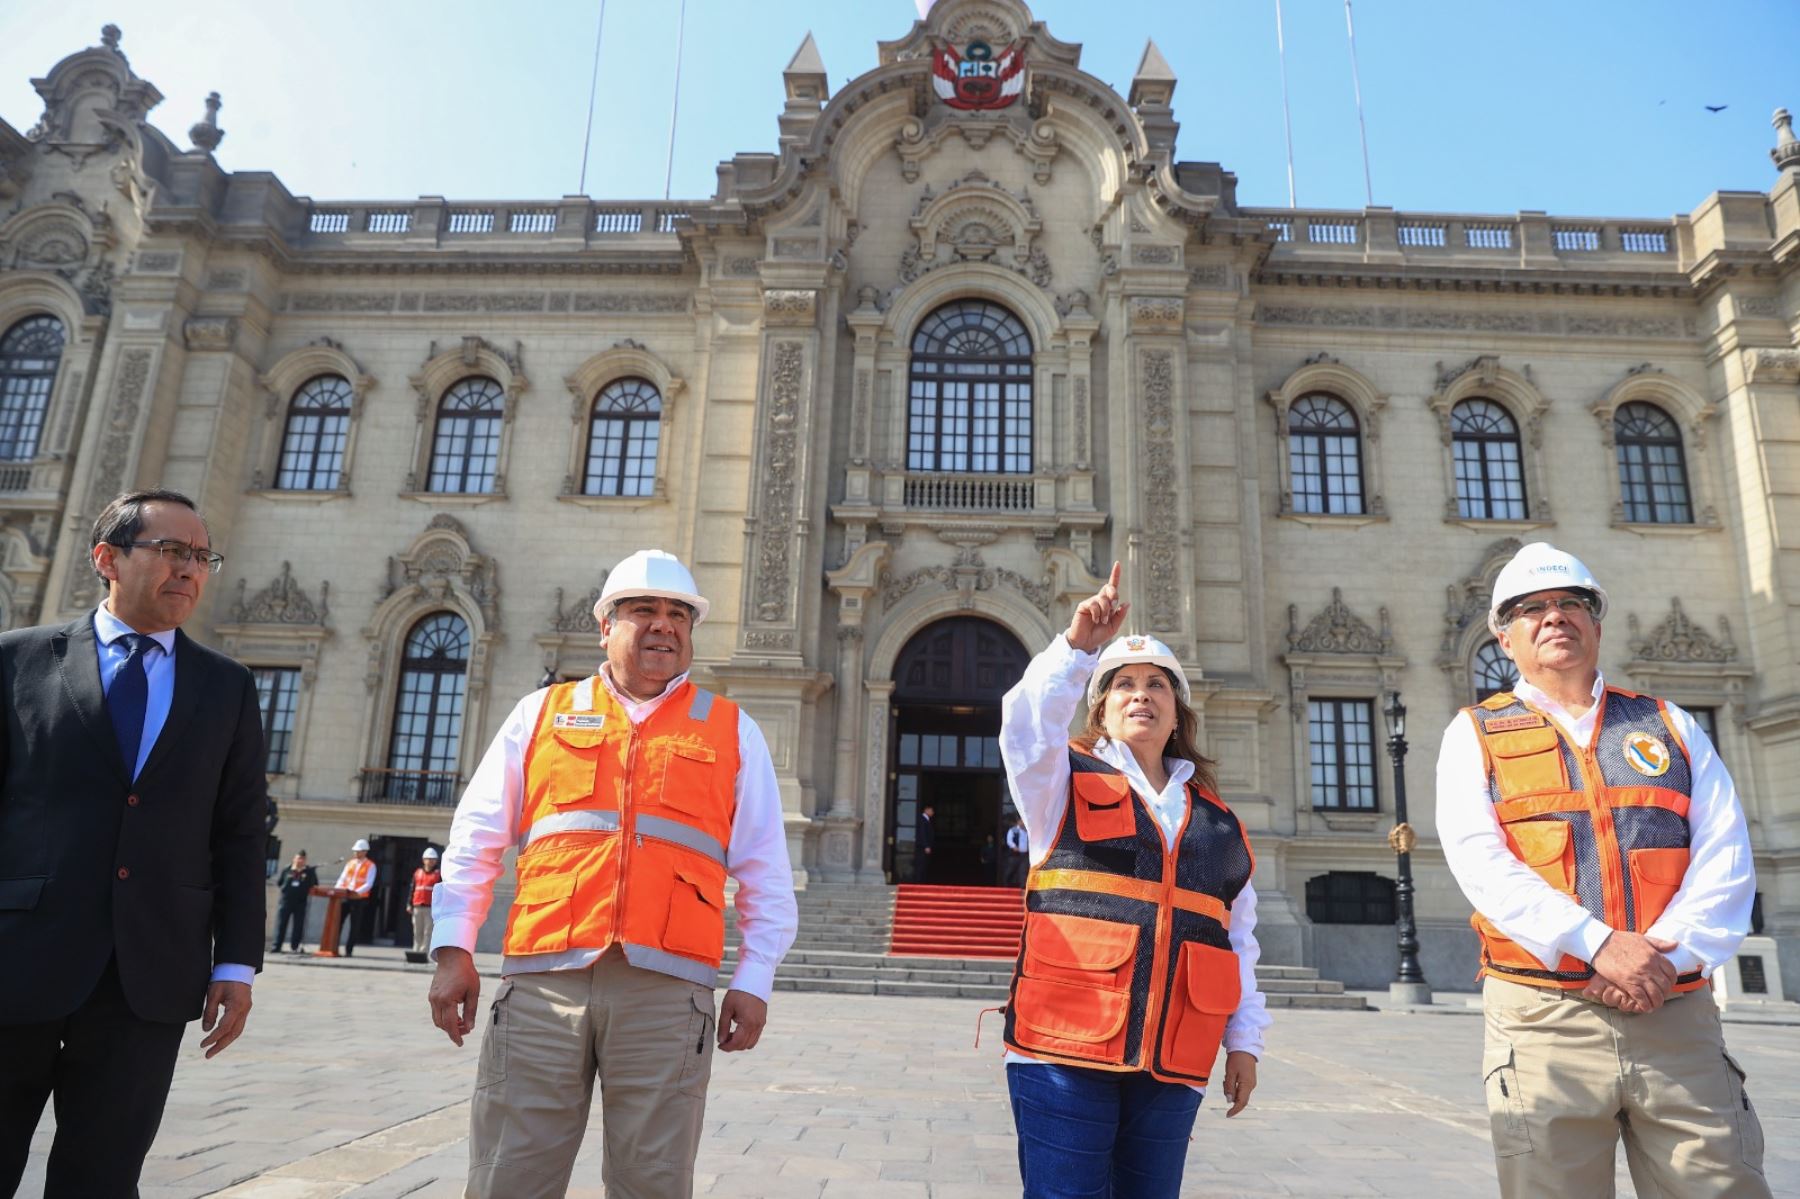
[
  {"x": 623, "y": 832},
  {"x": 1126, "y": 962},
  {"x": 356, "y": 873},
  {"x": 1607, "y": 826},
  {"x": 424, "y": 882}
]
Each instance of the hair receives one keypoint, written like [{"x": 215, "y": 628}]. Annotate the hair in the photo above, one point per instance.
[
  {"x": 120, "y": 522},
  {"x": 1183, "y": 742}
]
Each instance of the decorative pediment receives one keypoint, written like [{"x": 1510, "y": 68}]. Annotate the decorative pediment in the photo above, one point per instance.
[
  {"x": 1338, "y": 630},
  {"x": 1468, "y": 600},
  {"x": 578, "y": 615},
  {"x": 968, "y": 573},
  {"x": 282, "y": 602},
  {"x": 442, "y": 561},
  {"x": 1679, "y": 639},
  {"x": 976, "y": 219},
  {"x": 93, "y": 103}
]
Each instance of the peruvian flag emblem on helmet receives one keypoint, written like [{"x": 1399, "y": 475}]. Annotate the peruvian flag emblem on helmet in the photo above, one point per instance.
[{"x": 977, "y": 78}]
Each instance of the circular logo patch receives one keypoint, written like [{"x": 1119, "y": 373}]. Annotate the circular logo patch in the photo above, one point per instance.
[{"x": 1645, "y": 754}]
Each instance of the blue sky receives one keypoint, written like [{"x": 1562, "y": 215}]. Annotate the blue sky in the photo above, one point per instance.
[{"x": 1581, "y": 108}]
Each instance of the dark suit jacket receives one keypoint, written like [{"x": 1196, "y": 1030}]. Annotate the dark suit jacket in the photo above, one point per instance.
[
  {"x": 166, "y": 873},
  {"x": 927, "y": 834}
]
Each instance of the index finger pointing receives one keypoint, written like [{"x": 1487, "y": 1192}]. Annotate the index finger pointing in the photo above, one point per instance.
[{"x": 1113, "y": 579}]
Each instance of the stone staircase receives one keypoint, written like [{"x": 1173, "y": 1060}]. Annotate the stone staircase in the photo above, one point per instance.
[{"x": 843, "y": 947}]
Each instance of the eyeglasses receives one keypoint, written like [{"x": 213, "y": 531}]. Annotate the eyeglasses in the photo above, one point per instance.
[
  {"x": 178, "y": 553},
  {"x": 1534, "y": 610}
]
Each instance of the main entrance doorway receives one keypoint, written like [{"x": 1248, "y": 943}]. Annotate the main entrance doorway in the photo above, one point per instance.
[{"x": 946, "y": 752}]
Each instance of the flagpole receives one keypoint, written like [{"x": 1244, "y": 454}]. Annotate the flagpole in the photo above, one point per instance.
[
  {"x": 587, "y": 138},
  {"x": 1287, "y": 120},
  {"x": 1356, "y": 81},
  {"x": 675, "y": 105}
]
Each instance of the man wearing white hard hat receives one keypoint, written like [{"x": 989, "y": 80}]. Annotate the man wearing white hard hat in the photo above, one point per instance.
[
  {"x": 631, "y": 796},
  {"x": 357, "y": 880},
  {"x": 424, "y": 881},
  {"x": 1603, "y": 847},
  {"x": 1139, "y": 955}
]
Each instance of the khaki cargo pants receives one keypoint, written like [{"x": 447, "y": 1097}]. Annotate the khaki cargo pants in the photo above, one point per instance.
[
  {"x": 648, "y": 1037},
  {"x": 1567, "y": 1077}
]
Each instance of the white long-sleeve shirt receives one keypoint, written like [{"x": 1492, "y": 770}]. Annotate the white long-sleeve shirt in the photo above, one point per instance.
[
  {"x": 487, "y": 824},
  {"x": 1034, "y": 744},
  {"x": 1707, "y": 918}
]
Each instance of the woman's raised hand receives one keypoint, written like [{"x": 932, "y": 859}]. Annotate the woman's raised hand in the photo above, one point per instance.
[{"x": 1098, "y": 618}]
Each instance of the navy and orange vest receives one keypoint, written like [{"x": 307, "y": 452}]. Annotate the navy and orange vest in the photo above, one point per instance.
[
  {"x": 624, "y": 830},
  {"x": 1607, "y": 826},
  {"x": 1127, "y": 962}
]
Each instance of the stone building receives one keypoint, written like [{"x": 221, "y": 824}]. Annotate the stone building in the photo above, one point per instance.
[{"x": 900, "y": 391}]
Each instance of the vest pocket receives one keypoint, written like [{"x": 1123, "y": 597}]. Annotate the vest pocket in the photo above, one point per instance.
[
  {"x": 1103, "y": 806},
  {"x": 541, "y": 914},
  {"x": 1528, "y": 761},
  {"x": 1545, "y": 846},
  {"x": 696, "y": 924},
  {"x": 1073, "y": 995},
  {"x": 1205, "y": 992},
  {"x": 1656, "y": 874},
  {"x": 687, "y": 783},
  {"x": 574, "y": 772}
]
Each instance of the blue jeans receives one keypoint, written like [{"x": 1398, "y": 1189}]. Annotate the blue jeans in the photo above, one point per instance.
[{"x": 1094, "y": 1134}]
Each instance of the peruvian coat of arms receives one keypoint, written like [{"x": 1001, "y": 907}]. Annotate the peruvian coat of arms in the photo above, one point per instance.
[{"x": 978, "y": 78}]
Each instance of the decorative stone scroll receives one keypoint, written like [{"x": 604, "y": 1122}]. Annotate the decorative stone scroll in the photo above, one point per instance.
[
  {"x": 1679, "y": 639},
  {"x": 1338, "y": 630},
  {"x": 282, "y": 602}
]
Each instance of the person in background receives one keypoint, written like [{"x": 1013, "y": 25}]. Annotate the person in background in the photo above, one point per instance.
[
  {"x": 923, "y": 842},
  {"x": 295, "y": 885},
  {"x": 1018, "y": 853},
  {"x": 1139, "y": 955},
  {"x": 989, "y": 855},
  {"x": 358, "y": 878},
  {"x": 418, "y": 904}
]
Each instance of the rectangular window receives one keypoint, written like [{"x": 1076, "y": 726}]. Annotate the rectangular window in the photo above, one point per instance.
[
  {"x": 1708, "y": 720},
  {"x": 278, "y": 691},
  {"x": 1342, "y": 754}
]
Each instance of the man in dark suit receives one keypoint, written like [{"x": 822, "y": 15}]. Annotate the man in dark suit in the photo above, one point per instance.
[
  {"x": 924, "y": 840},
  {"x": 131, "y": 852},
  {"x": 295, "y": 884}
]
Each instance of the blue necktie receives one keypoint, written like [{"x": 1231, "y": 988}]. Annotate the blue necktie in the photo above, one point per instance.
[{"x": 128, "y": 698}]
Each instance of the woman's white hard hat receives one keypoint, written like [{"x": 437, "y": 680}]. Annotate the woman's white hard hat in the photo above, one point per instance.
[
  {"x": 1540, "y": 566},
  {"x": 1137, "y": 647},
  {"x": 654, "y": 573}
]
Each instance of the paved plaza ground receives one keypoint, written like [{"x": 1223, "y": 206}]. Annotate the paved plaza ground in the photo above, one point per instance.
[{"x": 341, "y": 1088}]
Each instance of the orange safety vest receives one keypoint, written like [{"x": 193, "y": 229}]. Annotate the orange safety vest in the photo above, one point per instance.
[
  {"x": 1607, "y": 825},
  {"x": 625, "y": 828},
  {"x": 1127, "y": 962},
  {"x": 424, "y": 882},
  {"x": 356, "y": 875}
]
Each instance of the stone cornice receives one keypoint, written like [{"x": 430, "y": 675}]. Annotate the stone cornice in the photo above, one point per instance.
[{"x": 1512, "y": 280}]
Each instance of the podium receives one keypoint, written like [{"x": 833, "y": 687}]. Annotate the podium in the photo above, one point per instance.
[{"x": 334, "y": 919}]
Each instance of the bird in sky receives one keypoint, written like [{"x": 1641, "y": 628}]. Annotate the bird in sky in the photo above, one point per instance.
[{"x": 1717, "y": 107}]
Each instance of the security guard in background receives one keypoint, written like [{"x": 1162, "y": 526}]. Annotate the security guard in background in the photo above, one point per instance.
[
  {"x": 631, "y": 795},
  {"x": 1602, "y": 845}
]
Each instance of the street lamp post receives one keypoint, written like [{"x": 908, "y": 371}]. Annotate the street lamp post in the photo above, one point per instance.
[{"x": 1410, "y": 986}]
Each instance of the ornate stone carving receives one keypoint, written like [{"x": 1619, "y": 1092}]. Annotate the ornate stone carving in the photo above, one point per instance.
[
  {"x": 205, "y": 133},
  {"x": 1154, "y": 255},
  {"x": 790, "y": 306},
  {"x": 1161, "y": 493},
  {"x": 968, "y": 573},
  {"x": 1678, "y": 639},
  {"x": 225, "y": 279},
  {"x": 1468, "y": 598},
  {"x": 578, "y": 615},
  {"x": 796, "y": 247},
  {"x": 768, "y": 639},
  {"x": 1550, "y": 323},
  {"x": 742, "y": 266},
  {"x": 443, "y": 555},
  {"x": 859, "y": 415},
  {"x": 1214, "y": 275},
  {"x": 1759, "y": 306},
  {"x": 777, "y": 513},
  {"x": 109, "y": 477},
  {"x": 209, "y": 332},
  {"x": 1156, "y": 314},
  {"x": 499, "y": 301},
  {"x": 1772, "y": 366},
  {"x": 1338, "y": 630},
  {"x": 338, "y": 301},
  {"x": 600, "y": 301},
  {"x": 976, "y": 219},
  {"x": 1082, "y": 442},
  {"x": 157, "y": 263},
  {"x": 282, "y": 602}
]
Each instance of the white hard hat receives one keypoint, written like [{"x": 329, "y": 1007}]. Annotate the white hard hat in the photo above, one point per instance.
[
  {"x": 1136, "y": 647},
  {"x": 651, "y": 572},
  {"x": 429, "y": 852},
  {"x": 1540, "y": 566},
  {"x": 362, "y": 843}
]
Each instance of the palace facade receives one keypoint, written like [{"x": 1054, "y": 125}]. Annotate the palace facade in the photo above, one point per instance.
[{"x": 900, "y": 391}]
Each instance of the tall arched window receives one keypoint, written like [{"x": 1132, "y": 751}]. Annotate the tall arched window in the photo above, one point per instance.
[
  {"x": 970, "y": 398},
  {"x": 1493, "y": 671},
  {"x": 1490, "y": 482},
  {"x": 622, "y": 439},
  {"x": 29, "y": 354},
  {"x": 1652, "y": 468},
  {"x": 466, "y": 449},
  {"x": 318, "y": 425},
  {"x": 428, "y": 711},
  {"x": 1324, "y": 455}
]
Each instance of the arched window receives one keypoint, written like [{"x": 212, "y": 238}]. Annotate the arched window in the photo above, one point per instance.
[
  {"x": 622, "y": 439},
  {"x": 1324, "y": 455},
  {"x": 318, "y": 425},
  {"x": 1652, "y": 469},
  {"x": 1493, "y": 671},
  {"x": 970, "y": 398},
  {"x": 29, "y": 354},
  {"x": 466, "y": 449},
  {"x": 428, "y": 711},
  {"x": 1490, "y": 484}
]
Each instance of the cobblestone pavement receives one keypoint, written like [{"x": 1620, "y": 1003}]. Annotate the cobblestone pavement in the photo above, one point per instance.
[{"x": 341, "y": 1087}]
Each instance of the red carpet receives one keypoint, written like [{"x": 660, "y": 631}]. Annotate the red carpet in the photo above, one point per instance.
[{"x": 958, "y": 922}]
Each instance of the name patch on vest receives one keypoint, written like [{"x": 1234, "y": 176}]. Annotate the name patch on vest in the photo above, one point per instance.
[
  {"x": 1646, "y": 755},
  {"x": 1507, "y": 724},
  {"x": 574, "y": 720}
]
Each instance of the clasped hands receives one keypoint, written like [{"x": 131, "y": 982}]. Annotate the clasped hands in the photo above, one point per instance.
[{"x": 1632, "y": 972}]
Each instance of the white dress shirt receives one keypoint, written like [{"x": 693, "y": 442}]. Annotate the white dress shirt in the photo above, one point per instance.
[
  {"x": 1034, "y": 744},
  {"x": 487, "y": 822},
  {"x": 1707, "y": 918},
  {"x": 159, "y": 675},
  {"x": 347, "y": 878}
]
